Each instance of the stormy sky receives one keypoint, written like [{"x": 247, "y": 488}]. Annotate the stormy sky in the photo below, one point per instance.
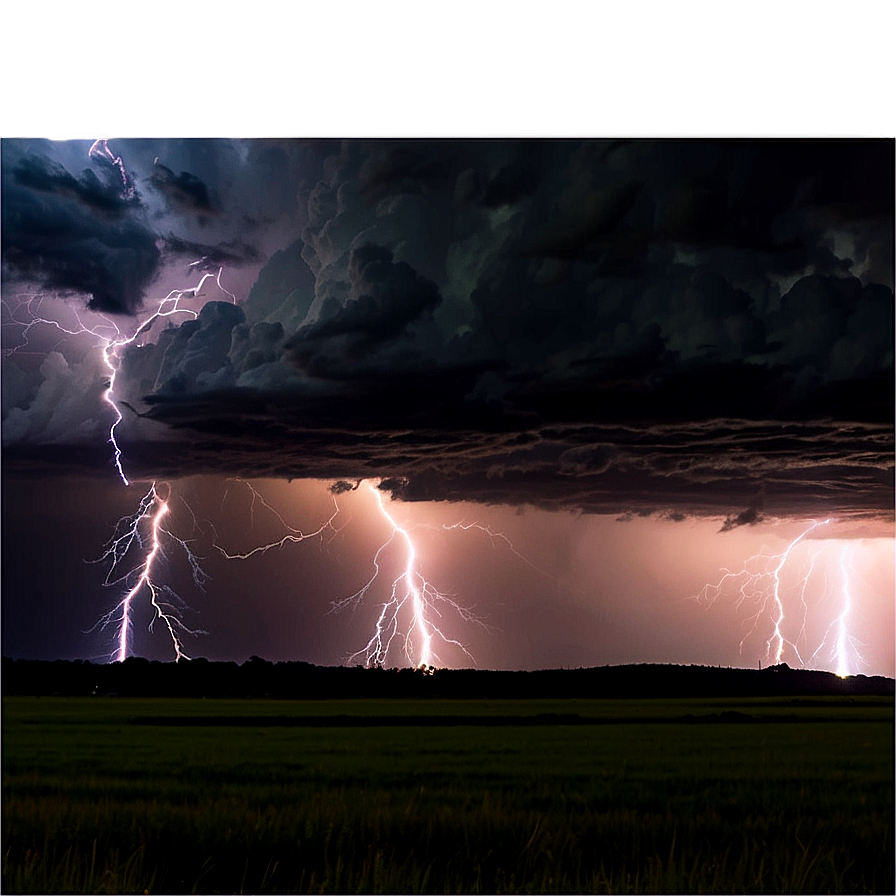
[{"x": 640, "y": 360}]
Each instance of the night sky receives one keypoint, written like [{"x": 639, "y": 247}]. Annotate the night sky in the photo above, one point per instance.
[{"x": 633, "y": 364}]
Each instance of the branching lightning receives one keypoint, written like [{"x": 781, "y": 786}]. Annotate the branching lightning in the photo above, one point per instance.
[
  {"x": 495, "y": 536},
  {"x": 100, "y": 150},
  {"x": 144, "y": 530},
  {"x": 293, "y": 536},
  {"x": 131, "y": 531},
  {"x": 410, "y": 623},
  {"x": 164, "y": 611},
  {"x": 113, "y": 347},
  {"x": 111, "y": 342},
  {"x": 777, "y": 637},
  {"x": 843, "y": 639},
  {"x": 760, "y": 584},
  {"x": 412, "y": 595},
  {"x": 837, "y": 643}
]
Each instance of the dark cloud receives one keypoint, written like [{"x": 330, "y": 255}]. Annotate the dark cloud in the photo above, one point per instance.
[
  {"x": 107, "y": 223},
  {"x": 284, "y": 289},
  {"x": 184, "y": 190},
  {"x": 662, "y": 327},
  {"x": 196, "y": 354},
  {"x": 74, "y": 234},
  {"x": 412, "y": 166},
  {"x": 585, "y": 460},
  {"x": 748, "y": 517},
  {"x": 395, "y": 485},
  {"x": 385, "y": 297},
  {"x": 699, "y": 467},
  {"x": 515, "y": 176},
  {"x": 594, "y": 215},
  {"x": 45, "y": 176},
  {"x": 341, "y": 486},
  {"x": 231, "y": 253}
]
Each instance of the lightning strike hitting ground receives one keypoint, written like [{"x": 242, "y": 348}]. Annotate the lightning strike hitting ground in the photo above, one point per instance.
[
  {"x": 777, "y": 637},
  {"x": 842, "y": 633},
  {"x": 838, "y": 645},
  {"x": 131, "y": 531},
  {"x": 164, "y": 611},
  {"x": 411, "y": 596},
  {"x": 409, "y": 622},
  {"x": 153, "y": 508},
  {"x": 760, "y": 583}
]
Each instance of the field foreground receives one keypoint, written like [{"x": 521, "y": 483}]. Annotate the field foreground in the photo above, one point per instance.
[{"x": 110, "y": 794}]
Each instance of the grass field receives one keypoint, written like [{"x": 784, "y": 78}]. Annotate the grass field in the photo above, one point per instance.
[{"x": 133, "y": 795}]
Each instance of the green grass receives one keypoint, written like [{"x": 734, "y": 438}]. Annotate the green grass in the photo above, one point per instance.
[{"x": 93, "y": 803}]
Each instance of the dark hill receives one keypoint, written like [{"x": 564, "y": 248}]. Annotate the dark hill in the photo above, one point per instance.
[{"x": 296, "y": 680}]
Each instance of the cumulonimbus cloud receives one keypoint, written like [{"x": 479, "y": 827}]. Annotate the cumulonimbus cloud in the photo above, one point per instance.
[{"x": 675, "y": 326}]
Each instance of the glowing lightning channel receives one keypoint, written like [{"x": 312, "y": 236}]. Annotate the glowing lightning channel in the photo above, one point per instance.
[
  {"x": 495, "y": 536},
  {"x": 411, "y": 596},
  {"x": 112, "y": 342},
  {"x": 112, "y": 353},
  {"x": 777, "y": 637},
  {"x": 840, "y": 647},
  {"x": 100, "y": 149},
  {"x": 759, "y": 581},
  {"x": 409, "y": 588},
  {"x": 120, "y": 545},
  {"x": 112, "y": 350},
  {"x": 842, "y": 635},
  {"x": 221, "y": 286},
  {"x": 153, "y": 509},
  {"x": 293, "y": 536}
]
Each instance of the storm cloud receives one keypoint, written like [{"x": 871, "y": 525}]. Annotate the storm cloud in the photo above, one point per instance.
[
  {"x": 231, "y": 253},
  {"x": 185, "y": 190},
  {"x": 75, "y": 233},
  {"x": 614, "y": 326}
]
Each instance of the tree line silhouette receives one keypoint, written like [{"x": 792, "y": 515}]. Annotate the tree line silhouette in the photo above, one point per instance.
[{"x": 257, "y": 677}]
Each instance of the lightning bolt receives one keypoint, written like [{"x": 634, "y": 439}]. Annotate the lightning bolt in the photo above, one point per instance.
[
  {"x": 842, "y": 633},
  {"x": 31, "y": 308},
  {"x": 777, "y": 637},
  {"x": 110, "y": 341},
  {"x": 100, "y": 150},
  {"x": 150, "y": 515},
  {"x": 112, "y": 352},
  {"x": 495, "y": 536},
  {"x": 293, "y": 536},
  {"x": 144, "y": 530},
  {"x": 844, "y": 652},
  {"x": 409, "y": 623},
  {"x": 759, "y": 583},
  {"x": 412, "y": 595}
]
